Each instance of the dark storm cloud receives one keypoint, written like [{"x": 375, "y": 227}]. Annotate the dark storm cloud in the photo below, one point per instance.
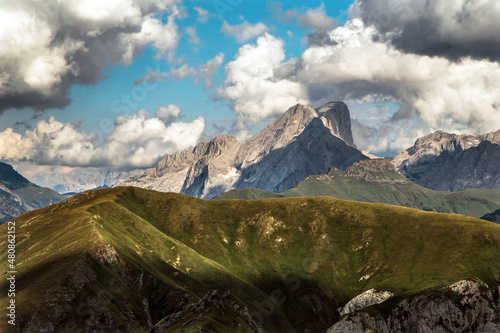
[{"x": 454, "y": 29}]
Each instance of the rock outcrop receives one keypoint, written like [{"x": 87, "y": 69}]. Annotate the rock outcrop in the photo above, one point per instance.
[
  {"x": 299, "y": 143},
  {"x": 465, "y": 306},
  {"x": 375, "y": 170},
  {"x": 449, "y": 162},
  {"x": 214, "y": 173},
  {"x": 337, "y": 118},
  {"x": 365, "y": 299}
]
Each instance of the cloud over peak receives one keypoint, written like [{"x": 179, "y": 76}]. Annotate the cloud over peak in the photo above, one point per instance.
[
  {"x": 363, "y": 66},
  {"x": 251, "y": 85}
]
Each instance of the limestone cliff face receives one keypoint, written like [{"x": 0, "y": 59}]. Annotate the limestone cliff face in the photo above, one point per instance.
[
  {"x": 170, "y": 173},
  {"x": 276, "y": 135},
  {"x": 450, "y": 162},
  {"x": 314, "y": 151},
  {"x": 337, "y": 118},
  {"x": 214, "y": 173},
  {"x": 465, "y": 306},
  {"x": 299, "y": 143}
]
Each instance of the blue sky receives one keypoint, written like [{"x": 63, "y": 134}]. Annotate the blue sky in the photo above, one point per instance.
[
  {"x": 115, "y": 84},
  {"x": 93, "y": 103}
]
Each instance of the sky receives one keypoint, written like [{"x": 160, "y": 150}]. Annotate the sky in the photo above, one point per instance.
[{"x": 92, "y": 84}]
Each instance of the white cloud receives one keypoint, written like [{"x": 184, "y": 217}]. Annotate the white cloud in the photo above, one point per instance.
[
  {"x": 316, "y": 18},
  {"x": 204, "y": 72},
  {"x": 191, "y": 31},
  {"x": 181, "y": 72},
  {"x": 136, "y": 141},
  {"x": 208, "y": 70},
  {"x": 168, "y": 114},
  {"x": 311, "y": 17},
  {"x": 251, "y": 86},
  {"x": 202, "y": 14},
  {"x": 455, "y": 96},
  {"x": 50, "y": 45},
  {"x": 361, "y": 68},
  {"x": 245, "y": 31}
]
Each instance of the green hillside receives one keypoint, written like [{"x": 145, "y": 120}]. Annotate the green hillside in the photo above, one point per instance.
[
  {"x": 123, "y": 259},
  {"x": 377, "y": 181}
]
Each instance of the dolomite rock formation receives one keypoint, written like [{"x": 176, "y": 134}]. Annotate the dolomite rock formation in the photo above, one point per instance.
[
  {"x": 299, "y": 143},
  {"x": 448, "y": 162}
]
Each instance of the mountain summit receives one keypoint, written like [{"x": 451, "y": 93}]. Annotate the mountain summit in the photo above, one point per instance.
[
  {"x": 337, "y": 118},
  {"x": 301, "y": 142}
]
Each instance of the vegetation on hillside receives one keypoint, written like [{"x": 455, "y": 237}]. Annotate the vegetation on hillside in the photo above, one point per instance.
[{"x": 126, "y": 258}]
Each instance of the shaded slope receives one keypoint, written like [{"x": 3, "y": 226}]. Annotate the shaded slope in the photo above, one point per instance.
[
  {"x": 493, "y": 216},
  {"x": 377, "y": 181},
  {"x": 288, "y": 263}
]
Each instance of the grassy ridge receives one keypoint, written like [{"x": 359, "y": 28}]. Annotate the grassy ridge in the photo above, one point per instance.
[
  {"x": 289, "y": 253},
  {"x": 382, "y": 187}
]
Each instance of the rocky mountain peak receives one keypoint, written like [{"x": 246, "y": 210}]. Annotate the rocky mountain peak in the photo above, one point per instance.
[
  {"x": 219, "y": 144},
  {"x": 450, "y": 162},
  {"x": 275, "y": 135},
  {"x": 295, "y": 145},
  {"x": 337, "y": 118},
  {"x": 214, "y": 172}
]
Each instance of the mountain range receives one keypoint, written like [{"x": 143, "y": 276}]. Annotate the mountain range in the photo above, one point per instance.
[
  {"x": 305, "y": 142},
  {"x": 301, "y": 142},
  {"x": 449, "y": 162},
  {"x": 18, "y": 195},
  {"x": 323, "y": 249},
  {"x": 377, "y": 181},
  {"x": 132, "y": 260},
  {"x": 90, "y": 181}
]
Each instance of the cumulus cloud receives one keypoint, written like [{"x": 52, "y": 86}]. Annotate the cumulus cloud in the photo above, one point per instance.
[
  {"x": 50, "y": 45},
  {"x": 444, "y": 94},
  {"x": 136, "y": 141},
  {"x": 245, "y": 31},
  {"x": 168, "y": 114},
  {"x": 360, "y": 66},
  {"x": 251, "y": 86},
  {"x": 454, "y": 29}
]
